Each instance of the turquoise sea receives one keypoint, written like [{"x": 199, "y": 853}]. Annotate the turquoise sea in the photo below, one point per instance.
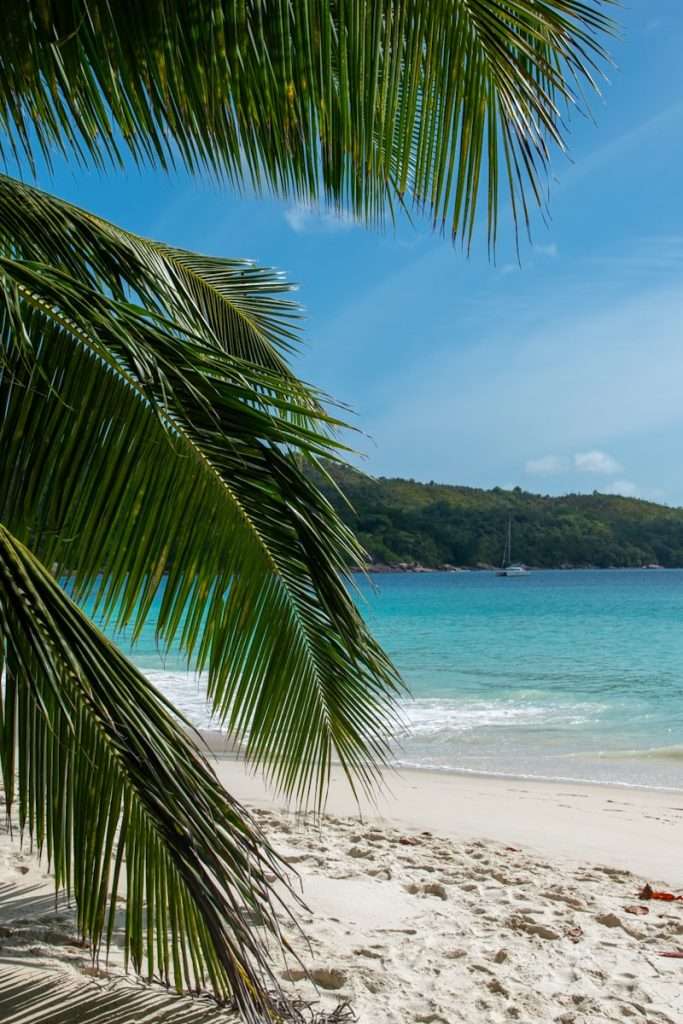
[{"x": 572, "y": 675}]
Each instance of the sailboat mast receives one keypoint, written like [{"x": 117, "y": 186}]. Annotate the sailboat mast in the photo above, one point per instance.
[
  {"x": 508, "y": 545},
  {"x": 508, "y": 568}
]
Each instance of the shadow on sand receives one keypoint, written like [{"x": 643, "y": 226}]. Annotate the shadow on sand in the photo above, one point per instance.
[
  {"x": 27, "y": 901},
  {"x": 35, "y": 995}
]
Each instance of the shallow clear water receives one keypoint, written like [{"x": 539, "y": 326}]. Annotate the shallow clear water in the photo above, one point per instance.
[{"x": 557, "y": 674}]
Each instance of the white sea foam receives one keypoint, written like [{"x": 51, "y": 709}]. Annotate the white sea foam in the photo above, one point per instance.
[
  {"x": 672, "y": 753},
  {"x": 430, "y": 717},
  {"x": 525, "y": 737},
  {"x": 574, "y": 674},
  {"x": 187, "y": 691},
  {"x": 423, "y": 717}
]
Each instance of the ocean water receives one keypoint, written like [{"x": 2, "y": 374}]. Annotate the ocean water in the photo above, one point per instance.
[{"x": 571, "y": 675}]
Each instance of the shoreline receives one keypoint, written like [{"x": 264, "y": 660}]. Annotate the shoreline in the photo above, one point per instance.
[
  {"x": 450, "y": 899},
  {"x": 218, "y": 745},
  {"x": 519, "y": 777},
  {"x": 380, "y": 569},
  {"x": 638, "y": 829}
]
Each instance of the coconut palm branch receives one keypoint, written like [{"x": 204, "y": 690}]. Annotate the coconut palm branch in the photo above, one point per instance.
[
  {"x": 110, "y": 786},
  {"x": 151, "y": 463},
  {"x": 148, "y": 462},
  {"x": 239, "y": 307},
  {"x": 363, "y": 103},
  {"x": 155, "y": 445}
]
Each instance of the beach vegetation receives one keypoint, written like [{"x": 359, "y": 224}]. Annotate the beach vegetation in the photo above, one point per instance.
[{"x": 405, "y": 522}]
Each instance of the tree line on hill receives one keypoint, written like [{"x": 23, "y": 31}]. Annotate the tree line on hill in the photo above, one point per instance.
[{"x": 403, "y": 521}]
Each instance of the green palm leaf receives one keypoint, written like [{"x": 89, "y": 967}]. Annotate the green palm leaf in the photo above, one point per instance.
[
  {"x": 143, "y": 457},
  {"x": 150, "y": 464},
  {"x": 112, "y": 790},
  {"x": 155, "y": 446},
  {"x": 356, "y": 103},
  {"x": 233, "y": 303}
]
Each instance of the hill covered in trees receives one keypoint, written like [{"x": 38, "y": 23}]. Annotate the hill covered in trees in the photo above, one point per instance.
[{"x": 401, "y": 521}]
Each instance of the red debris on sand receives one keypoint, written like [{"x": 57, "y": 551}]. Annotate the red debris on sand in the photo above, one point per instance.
[
  {"x": 675, "y": 955},
  {"x": 648, "y": 893}
]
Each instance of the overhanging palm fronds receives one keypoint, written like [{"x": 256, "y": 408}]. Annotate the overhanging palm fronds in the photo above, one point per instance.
[
  {"x": 153, "y": 441},
  {"x": 112, "y": 790},
  {"x": 236, "y": 305},
  {"x": 359, "y": 103},
  {"x": 144, "y": 461}
]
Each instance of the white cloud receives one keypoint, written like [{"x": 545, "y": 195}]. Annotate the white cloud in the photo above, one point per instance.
[
  {"x": 512, "y": 377},
  {"x": 298, "y": 217},
  {"x": 546, "y": 464},
  {"x": 547, "y": 250},
  {"x": 626, "y": 488},
  {"x": 597, "y": 462},
  {"x": 303, "y": 217},
  {"x": 509, "y": 268}
]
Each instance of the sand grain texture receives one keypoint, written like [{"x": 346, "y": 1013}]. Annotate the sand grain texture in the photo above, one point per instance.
[{"x": 407, "y": 925}]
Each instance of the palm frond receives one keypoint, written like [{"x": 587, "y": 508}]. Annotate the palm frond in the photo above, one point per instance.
[
  {"x": 239, "y": 307},
  {"x": 360, "y": 103},
  {"x": 110, "y": 788},
  {"x": 145, "y": 463}
]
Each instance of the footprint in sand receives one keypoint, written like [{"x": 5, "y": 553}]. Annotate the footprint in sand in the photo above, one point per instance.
[
  {"x": 571, "y": 901},
  {"x": 428, "y": 889},
  {"x": 329, "y": 978},
  {"x": 383, "y": 874},
  {"x": 361, "y": 852},
  {"x": 372, "y": 954},
  {"x": 523, "y": 924},
  {"x": 497, "y": 988},
  {"x": 375, "y": 837}
]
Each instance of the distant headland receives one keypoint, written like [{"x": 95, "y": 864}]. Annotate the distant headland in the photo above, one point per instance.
[{"x": 406, "y": 526}]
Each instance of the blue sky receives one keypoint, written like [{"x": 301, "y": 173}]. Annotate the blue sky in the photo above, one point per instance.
[{"x": 563, "y": 375}]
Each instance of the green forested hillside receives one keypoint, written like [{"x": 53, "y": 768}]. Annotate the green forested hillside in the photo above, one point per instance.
[{"x": 432, "y": 524}]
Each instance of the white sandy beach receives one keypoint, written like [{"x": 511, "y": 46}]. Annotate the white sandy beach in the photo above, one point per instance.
[{"x": 454, "y": 899}]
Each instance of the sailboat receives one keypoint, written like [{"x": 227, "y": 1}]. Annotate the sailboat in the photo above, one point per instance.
[{"x": 508, "y": 567}]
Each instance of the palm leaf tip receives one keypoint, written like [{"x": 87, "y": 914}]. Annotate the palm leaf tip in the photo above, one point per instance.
[
  {"x": 110, "y": 786},
  {"x": 362, "y": 105}
]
